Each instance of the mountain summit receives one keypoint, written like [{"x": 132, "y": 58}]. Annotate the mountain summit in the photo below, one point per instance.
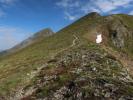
[
  {"x": 43, "y": 33},
  {"x": 94, "y": 15},
  {"x": 70, "y": 65}
]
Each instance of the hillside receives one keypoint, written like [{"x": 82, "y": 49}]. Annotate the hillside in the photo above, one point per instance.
[{"x": 69, "y": 64}]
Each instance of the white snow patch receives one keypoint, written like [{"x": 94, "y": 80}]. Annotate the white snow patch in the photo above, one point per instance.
[{"x": 99, "y": 38}]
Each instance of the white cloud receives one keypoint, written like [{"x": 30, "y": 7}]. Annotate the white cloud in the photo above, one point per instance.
[
  {"x": 121, "y": 2},
  {"x": 69, "y": 7},
  {"x": 87, "y": 8},
  {"x": 68, "y": 3},
  {"x": 110, "y": 5},
  {"x": 80, "y": 7},
  {"x": 104, "y": 5},
  {"x": 70, "y": 17},
  {"x": 7, "y": 34}
]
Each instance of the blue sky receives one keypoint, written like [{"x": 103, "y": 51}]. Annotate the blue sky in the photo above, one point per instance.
[{"x": 19, "y": 19}]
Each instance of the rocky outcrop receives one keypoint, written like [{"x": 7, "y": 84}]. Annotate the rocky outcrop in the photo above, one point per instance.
[
  {"x": 115, "y": 31},
  {"x": 118, "y": 32},
  {"x": 82, "y": 74}
]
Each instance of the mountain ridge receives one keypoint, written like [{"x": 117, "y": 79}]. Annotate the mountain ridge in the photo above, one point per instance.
[{"x": 70, "y": 62}]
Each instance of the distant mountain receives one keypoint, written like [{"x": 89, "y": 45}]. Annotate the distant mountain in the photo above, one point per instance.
[
  {"x": 36, "y": 37},
  {"x": 70, "y": 65}
]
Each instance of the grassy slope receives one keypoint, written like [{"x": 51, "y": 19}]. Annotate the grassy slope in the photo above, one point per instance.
[{"x": 14, "y": 68}]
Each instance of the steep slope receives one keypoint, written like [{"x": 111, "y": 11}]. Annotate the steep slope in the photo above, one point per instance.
[{"x": 22, "y": 67}]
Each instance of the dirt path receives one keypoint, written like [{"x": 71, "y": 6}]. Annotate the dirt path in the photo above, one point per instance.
[
  {"x": 20, "y": 92},
  {"x": 72, "y": 45},
  {"x": 74, "y": 41}
]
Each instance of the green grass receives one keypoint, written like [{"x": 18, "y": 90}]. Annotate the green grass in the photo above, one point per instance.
[{"x": 14, "y": 67}]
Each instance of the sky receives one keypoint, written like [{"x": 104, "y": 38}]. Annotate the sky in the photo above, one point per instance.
[{"x": 20, "y": 19}]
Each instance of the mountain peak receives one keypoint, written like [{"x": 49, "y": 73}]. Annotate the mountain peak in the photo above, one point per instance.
[
  {"x": 43, "y": 33},
  {"x": 36, "y": 37},
  {"x": 94, "y": 14}
]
